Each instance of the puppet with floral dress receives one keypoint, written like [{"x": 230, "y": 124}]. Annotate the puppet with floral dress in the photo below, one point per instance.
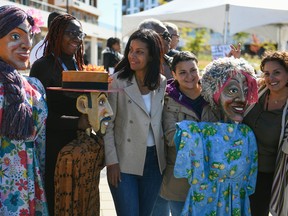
[
  {"x": 222, "y": 156},
  {"x": 23, "y": 114}
]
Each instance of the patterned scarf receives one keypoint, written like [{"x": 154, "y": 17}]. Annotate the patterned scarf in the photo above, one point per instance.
[
  {"x": 16, "y": 121},
  {"x": 279, "y": 191}
]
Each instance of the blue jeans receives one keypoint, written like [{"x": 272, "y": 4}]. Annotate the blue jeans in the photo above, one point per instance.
[
  {"x": 136, "y": 195},
  {"x": 162, "y": 207}
]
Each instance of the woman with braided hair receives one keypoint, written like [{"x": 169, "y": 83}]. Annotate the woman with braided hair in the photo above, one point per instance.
[
  {"x": 23, "y": 113},
  {"x": 63, "y": 47}
]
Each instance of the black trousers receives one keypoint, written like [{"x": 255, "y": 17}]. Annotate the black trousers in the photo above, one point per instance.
[{"x": 259, "y": 201}]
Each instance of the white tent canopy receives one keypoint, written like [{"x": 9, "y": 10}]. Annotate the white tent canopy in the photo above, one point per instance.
[{"x": 224, "y": 16}]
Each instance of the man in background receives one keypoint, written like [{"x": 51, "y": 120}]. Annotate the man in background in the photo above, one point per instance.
[
  {"x": 165, "y": 36},
  {"x": 174, "y": 32}
]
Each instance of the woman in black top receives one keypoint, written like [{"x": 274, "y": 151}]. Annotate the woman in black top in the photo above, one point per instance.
[{"x": 63, "y": 51}]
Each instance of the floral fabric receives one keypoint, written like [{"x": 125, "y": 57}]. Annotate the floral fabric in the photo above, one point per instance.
[
  {"x": 22, "y": 162},
  {"x": 220, "y": 162}
]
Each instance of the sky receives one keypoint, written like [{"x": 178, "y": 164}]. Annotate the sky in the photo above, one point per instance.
[{"x": 110, "y": 8}]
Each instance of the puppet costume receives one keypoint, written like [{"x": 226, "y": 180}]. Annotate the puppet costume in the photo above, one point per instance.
[
  {"x": 220, "y": 162},
  {"x": 22, "y": 161},
  {"x": 77, "y": 176}
]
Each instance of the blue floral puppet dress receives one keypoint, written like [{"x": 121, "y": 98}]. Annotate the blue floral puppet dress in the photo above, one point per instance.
[{"x": 220, "y": 162}]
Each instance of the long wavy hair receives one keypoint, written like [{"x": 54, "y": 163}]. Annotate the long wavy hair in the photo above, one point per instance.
[
  {"x": 53, "y": 40},
  {"x": 154, "y": 68},
  {"x": 279, "y": 56}
]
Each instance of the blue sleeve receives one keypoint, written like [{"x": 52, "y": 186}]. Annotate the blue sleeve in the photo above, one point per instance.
[
  {"x": 253, "y": 154},
  {"x": 190, "y": 157}
]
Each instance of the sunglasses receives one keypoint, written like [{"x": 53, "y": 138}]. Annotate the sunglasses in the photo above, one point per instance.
[
  {"x": 176, "y": 35},
  {"x": 166, "y": 36},
  {"x": 75, "y": 34}
]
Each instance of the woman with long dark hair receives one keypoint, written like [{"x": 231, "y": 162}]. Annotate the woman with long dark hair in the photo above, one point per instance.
[{"x": 134, "y": 145}]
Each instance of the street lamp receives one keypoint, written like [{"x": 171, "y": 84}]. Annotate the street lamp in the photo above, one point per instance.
[
  {"x": 115, "y": 19},
  {"x": 67, "y": 6}
]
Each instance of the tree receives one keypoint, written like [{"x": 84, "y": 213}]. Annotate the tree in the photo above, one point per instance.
[
  {"x": 197, "y": 43},
  {"x": 162, "y": 2},
  {"x": 241, "y": 37}
]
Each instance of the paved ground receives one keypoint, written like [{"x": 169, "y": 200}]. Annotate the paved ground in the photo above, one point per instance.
[{"x": 106, "y": 202}]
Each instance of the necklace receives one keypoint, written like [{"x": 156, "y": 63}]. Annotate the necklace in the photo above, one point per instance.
[
  {"x": 267, "y": 102},
  {"x": 275, "y": 101}
]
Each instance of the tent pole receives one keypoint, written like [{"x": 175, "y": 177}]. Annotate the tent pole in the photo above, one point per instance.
[
  {"x": 279, "y": 42},
  {"x": 226, "y": 24}
]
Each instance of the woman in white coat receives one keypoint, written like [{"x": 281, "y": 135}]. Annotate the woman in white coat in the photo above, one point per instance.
[{"x": 134, "y": 145}]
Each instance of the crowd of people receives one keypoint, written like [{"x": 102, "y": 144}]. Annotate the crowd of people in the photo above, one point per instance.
[{"x": 176, "y": 143}]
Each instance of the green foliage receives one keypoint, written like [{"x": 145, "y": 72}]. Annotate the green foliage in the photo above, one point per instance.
[
  {"x": 241, "y": 37},
  {"x": 162, "y": 2},
  {"x": 195, "y": 44},
  {"x": 269, "y": 46}
]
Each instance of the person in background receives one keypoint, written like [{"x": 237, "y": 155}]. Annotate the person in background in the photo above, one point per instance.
[
  {"x": 219, "y": 159},
  {"x": 183, "y": 101},
  {"x": 268, "y": 120},
  {"x": 160, "y": 28},
  {"x": 38, "y": 50},
  {"x": 111, "y": 54},
  {"x": 174, "y": 32},
  {"x": 135, "y": 161},
  {"x": 63, "y": 51},
  {"x": 23, "y": 114}
]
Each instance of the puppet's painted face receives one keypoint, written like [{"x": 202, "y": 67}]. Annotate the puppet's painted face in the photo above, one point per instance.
[
  {"x": 100, "y": 112},
  {"x": 16, "y": 45},
  {"x": 233, "y": 98}
]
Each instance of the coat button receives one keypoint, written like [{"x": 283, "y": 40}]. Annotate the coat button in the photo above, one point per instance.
[
  {"x": 131, "y": 122},
  {"x": 128, "y": 140}
]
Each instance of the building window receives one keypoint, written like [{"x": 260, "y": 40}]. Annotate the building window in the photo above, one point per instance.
[{"x": 136, "y": 3}]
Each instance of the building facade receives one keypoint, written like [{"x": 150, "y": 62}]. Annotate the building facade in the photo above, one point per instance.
[
  {"x": 89, "y": 13},
  {"x": 135, "y": 6}
]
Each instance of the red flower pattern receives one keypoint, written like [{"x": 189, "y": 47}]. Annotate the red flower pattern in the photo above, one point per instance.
[
  {"x": 6, "y": 161},
  {"x": 32, "y": 207},
  {"x": 38, "y": 191},
  {"x": 22, "y": 185},
  {"x": 24, "y": 212},
  {"x": 23, "y": 156}
]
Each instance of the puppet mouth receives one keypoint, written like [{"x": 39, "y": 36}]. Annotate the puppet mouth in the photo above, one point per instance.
[
  {"x": 239, "y": 108},
  {"x": 106, "y": 120}
]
